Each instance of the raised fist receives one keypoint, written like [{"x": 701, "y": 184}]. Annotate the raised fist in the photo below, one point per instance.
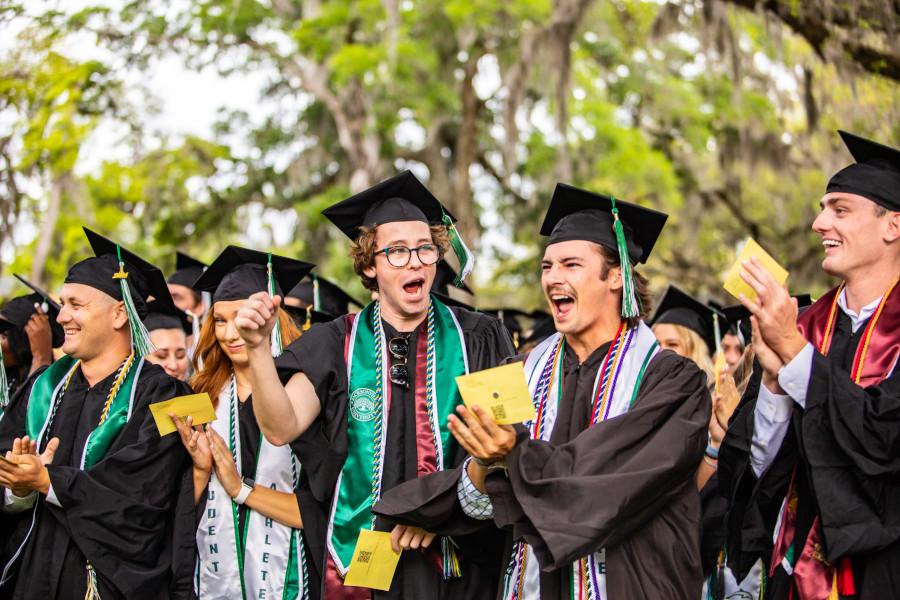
[{"x": 256, "y": 319}]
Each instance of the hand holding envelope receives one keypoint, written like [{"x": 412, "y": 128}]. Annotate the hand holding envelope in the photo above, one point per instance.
[
  {"x": 501, "y": 391},
  {"x": 374, "y": 561},
  {"x": 736, "y": 286},
  {"x": 198, "y": 406}
]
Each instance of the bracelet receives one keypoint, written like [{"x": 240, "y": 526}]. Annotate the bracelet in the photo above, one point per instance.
[
  {"x": 712, "y": 451},
  {"x": 711, "y": 462}
]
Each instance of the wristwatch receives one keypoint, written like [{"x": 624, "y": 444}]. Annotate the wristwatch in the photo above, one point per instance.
[{"x": 246, "y": 487}]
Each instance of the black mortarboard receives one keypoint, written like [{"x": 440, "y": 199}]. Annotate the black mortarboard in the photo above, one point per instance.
[
  {"x": 305, "y": 317},
  {"x": 400, "y": 198},
  {"x": 144, "y": 279},
  {"x": 162, "y": 314},
  {"x": 576, "y": 214},
  {"x": 444, "y": 277},
  {"x": 510, "y": 317},
  {"x": 17, "y": 311},
  {"x": 124, "y": 276},
  {"x": 46, "y": 298},
  {"x": 187, "y": 270},
  {"x": 678, "y": 308},
  {"x": 542, "y": 328},
  {"x": 324, "y": 296},
  {"x": 875, "y": 175},
  {"x": 238, "y": 273}
]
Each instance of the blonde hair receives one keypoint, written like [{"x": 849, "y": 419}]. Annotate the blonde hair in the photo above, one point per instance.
[{"x": 694, "y": 348}]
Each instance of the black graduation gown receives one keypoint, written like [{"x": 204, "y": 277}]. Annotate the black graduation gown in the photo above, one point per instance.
[
  {"x": 319, "y": 353},
  {"x": 846, "y": 445},
  {"x": 250, "y": 442},
  {"x": 131, "y": 514},
  {"x": 626, "y": 484}
]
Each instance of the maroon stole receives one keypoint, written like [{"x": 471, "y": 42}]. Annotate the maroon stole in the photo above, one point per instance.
[
  {"x": 876, "y": 355},
  {"x": 426, "y": 462}
]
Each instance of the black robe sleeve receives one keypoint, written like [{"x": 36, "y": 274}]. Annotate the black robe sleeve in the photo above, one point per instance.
[
  {"x": 571, "y": 499},
  {"x": 119, "y": 512},
  {"x": 322, "y": 449},
  {"x": 850, "y": 437},
  {"x": 753, "y": 504}
]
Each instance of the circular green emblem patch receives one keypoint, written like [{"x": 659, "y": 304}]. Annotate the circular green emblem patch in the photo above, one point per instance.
[{"x": 362, "y": 404}]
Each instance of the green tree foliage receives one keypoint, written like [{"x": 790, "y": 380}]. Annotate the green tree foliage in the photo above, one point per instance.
[{"x": 722, "y": 116}]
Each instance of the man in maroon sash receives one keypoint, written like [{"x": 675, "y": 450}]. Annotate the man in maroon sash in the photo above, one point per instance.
[{"x": 811, "y": 462}]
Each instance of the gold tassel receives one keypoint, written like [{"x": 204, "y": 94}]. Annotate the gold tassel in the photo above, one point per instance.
[{"x": 93, "y": 592}]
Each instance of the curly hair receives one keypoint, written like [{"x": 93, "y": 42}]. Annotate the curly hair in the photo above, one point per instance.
[{"x": 364, "y": 249}]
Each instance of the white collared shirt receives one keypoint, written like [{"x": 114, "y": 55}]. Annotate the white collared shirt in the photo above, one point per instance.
[{"x": 773, "y": 411}]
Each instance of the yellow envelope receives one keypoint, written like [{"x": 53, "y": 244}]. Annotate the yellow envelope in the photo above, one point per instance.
[
  {"x": 503, "y": 391},
  {"x": 198, "y": 406},
  {"x": 374, "y": 561},
  {"x": 736, "y": 286}
]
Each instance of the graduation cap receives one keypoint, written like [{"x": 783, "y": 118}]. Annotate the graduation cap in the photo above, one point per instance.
[
  {"x": 187, "y": 270},
  {"x": 238, "y": 273},
  {"x": 678, "y": 308},
  {"x": 165, "y": 315},
  {"x": 542, "y": 328},
  {"x": 628, "y": 229},
  {"x": 875, "y": 175},
  {"x": 400, "y": 198},
  {"x": 124, "y": 276},
  {"x": 324, "y": 296},
  {"x": 17, "y": 311},
  {"x": 510, "y": 317},
  {"x": 306, "y": 317},
  {"x": 444, "y": 276}
]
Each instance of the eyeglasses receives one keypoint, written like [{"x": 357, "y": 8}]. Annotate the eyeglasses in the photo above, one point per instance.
[
  {"x": 399, "y": 349},
  {"x": 398, "y": 256}
]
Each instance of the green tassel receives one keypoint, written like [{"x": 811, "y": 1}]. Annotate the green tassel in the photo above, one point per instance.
[
  {"x": 275, "y": 337},
  {"x": 140, "y": 337},
  {"x": 630, "y": 307},
  {"x": 462, "y": 252},
  {"x": 317, "y": 301},
  {"x": 4, "y": 385}
]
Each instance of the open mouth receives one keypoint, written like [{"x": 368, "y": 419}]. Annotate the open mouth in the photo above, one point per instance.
[
  {"x": 414, "y": 287},
  {"x": 562, "y": 304}
]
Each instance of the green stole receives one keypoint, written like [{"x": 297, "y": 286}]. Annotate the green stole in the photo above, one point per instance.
[
  {"x": 48, "y": 391},
  {"x": 359, "y": 484}
]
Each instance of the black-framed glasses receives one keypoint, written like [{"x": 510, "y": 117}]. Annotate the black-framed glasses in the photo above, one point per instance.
[
  {"x": 399, "y": 349},
  {"x": 398, "y": 256}
]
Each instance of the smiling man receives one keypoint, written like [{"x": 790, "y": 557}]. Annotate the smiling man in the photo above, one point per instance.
[
  {"x": 86, "y": 467},
  {"x": 812, "y": 457},
  {"x": 597, "y": 494},
  {"x": 370, "y": 394}
]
